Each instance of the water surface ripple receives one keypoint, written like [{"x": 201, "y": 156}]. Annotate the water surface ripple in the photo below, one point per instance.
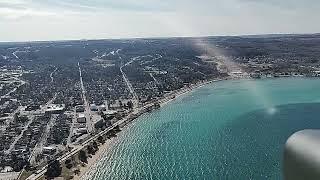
[{"x": 220, "y": 131}]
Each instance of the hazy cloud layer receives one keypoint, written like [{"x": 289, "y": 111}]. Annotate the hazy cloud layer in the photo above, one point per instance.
[{"x": 76, "y": 19}]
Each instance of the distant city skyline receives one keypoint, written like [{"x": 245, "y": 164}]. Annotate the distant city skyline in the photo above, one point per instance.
[{"x": 32, "y": 20}]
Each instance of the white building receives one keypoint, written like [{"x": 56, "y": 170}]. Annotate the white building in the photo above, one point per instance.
[
  {"x": 48, "y": 150},
  {"x": 81, "y": 118},
  {"x": 55, "y": 109},
  {"x": 82, "y": 131}
]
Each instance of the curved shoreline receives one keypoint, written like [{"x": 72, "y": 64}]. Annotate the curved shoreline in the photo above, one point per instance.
[
  {"x": 88, "y": 171},
  {"x": 85, "y": 172}
]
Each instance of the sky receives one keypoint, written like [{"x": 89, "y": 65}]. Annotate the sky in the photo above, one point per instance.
[{"x": 31, "y": 20}]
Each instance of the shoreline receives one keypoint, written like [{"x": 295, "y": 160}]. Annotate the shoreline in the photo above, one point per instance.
[
  {"x": 85, "y": 172},
  {"x": 92, "y": 162},
  {"x": 88, "y": 170}
]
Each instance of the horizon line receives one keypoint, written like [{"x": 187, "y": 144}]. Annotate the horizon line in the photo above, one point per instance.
[{"x": 158, "y": 37}]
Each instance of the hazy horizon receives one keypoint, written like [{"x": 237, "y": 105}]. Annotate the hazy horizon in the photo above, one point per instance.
[
  {"x": 161, "y": 37},
  {"x": 51, "y": 20}
]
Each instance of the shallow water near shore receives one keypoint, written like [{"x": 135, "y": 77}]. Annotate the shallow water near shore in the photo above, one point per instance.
[{"x": 224, "y": 130}]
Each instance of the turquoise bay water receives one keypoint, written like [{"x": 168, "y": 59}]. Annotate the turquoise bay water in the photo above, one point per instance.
[{"x": 225, "y": 130}]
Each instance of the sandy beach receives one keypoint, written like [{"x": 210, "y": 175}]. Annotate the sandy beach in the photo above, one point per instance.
[{"x": 94, "y": 159}]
